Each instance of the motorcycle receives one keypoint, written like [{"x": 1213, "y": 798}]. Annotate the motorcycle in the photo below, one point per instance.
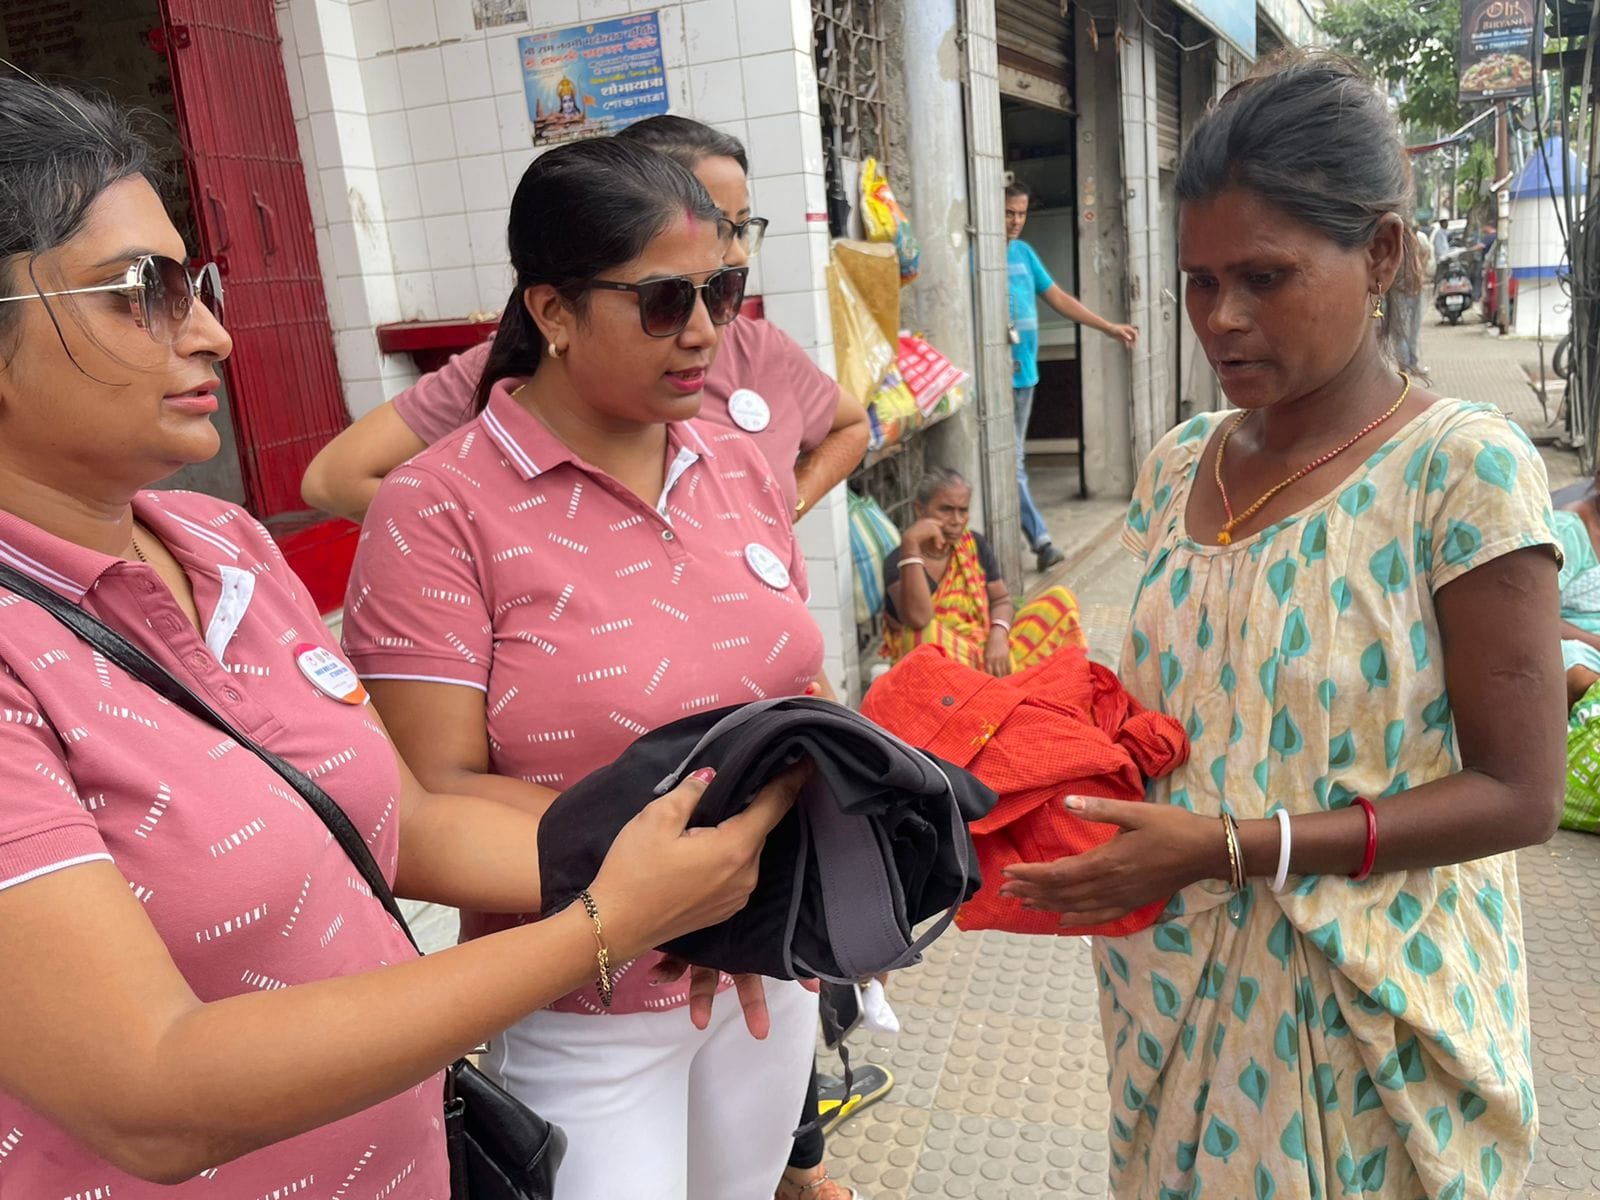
[{"x": 1452, "y": 289}]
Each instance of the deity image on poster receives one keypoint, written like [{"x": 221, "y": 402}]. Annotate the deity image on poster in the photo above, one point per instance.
[{"x": 492, "y": 14}]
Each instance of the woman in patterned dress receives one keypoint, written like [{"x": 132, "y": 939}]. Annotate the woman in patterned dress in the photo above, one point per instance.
[{"x": 1381, "y": 630}]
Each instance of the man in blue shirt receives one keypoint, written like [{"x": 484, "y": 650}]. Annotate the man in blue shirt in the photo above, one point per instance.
[{"x": 1029, "y": 282}]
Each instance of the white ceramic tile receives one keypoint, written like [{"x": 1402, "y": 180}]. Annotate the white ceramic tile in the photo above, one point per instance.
[
  {"x": 678, "y": 89},
  {"x": 476, "y": 126},
  {"x": 516, "y": 130},
  {"x": 454, "y": 18},
  {"x": 330, "y": 199},
  {"x": 455, "y": 292},
  {"x": 823, "y": 356},
  {"x": 344, "y": 83},
  {"x": 716, "y": 93},
  {"x": 439, "y": 186},
  {"x": 448, "y": 247},
  {"x": 363, "y": 197},
  {"x": 782, "y": 201},
  {"x": 710, "y": 31},
  {"x": 361, "y": 396},
  {"x": 398, "y": 186},
  {"x": 505, "y": 64},
  {"x": 380, "y": 84},
  {"x": 552, "y": 14},
  {"x": 338, "y": 33},
  {"x": 432, "y": 135},
  {"x": 486, "y": 231},
  {"x": 316, "y": 198},
  {"x": 754, "y": 283},
  {"x": 414, "y": 21},
  {"x": 357, "y": 351},
  {"x": 408, "y": 245},
  {"x": 370, "y": 21},
  {"x": 794, "y": 313},
  {"x": 771, "y": 84},
  {"x": 347, "y": 304},
  {"x": 483, "y": 185},
  {"x": 422, "y": 78},
  {"x": 346, "y": 251},
  {"x": 494, "y": 285},
  {"x": 306, "y": 23},
  {"x": 786, "y": 263},
  {"x": 325, "y": 140},
  {"x": 466, "y": 70},
  {"x": 318, "y": 90},
  {"x": 769, "y": 25},
  {"x": 391, "y": 139},
  {"x": 416, "y": 296},
  {"x": 294, "y": 76},
  {"x": 383, "y": 299},
  {"x": 778, "y": 146},
  {"x": 355, "y": 139},
  {"x": 599, "y": 10}
]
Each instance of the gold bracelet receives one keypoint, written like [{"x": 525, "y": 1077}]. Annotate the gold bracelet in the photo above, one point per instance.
[
  {"x": 1235, "y": 857},
  {"x": 603, "y": 954}
]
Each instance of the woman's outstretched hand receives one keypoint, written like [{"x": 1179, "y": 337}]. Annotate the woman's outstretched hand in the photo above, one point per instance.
[{"x": 1160, "y": 851}]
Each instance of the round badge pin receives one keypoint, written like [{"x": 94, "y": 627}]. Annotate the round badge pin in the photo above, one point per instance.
[
  {"x": 749, "y": 411},
  {"x": 329, "y": 674},
  {"x": 768, "y": 567}
]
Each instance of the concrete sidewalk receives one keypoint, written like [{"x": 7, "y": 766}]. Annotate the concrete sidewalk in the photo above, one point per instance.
[{"x": 1000, "y": 1070}]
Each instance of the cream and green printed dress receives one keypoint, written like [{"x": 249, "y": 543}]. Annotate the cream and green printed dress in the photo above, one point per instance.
[{"x": 1342, "y": 1039}]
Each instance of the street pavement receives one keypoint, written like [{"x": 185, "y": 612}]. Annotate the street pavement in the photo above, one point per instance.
[{"x": 1000, "y": 1070}]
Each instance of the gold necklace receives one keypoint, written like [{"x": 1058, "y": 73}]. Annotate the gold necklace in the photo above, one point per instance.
[{"x": 1225, "y": 534}]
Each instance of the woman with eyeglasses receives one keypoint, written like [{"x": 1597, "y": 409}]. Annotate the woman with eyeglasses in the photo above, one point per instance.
[
  {"x": 762, "y": 383},
  {"x": 200, "y": 996},
  {"x": 581, "y": 563}
]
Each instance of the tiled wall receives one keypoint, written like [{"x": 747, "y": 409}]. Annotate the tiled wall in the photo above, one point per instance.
[{"x": 414, "y": 131}]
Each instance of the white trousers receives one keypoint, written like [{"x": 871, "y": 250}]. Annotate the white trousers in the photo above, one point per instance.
[{"x": 652, "y": 1107}]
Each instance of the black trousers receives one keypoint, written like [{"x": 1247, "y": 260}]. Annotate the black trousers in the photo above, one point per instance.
[{"x": 808, "y": 1146}]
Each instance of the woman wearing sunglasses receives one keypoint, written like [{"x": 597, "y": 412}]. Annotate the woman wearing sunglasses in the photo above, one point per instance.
[
  {"x": 762, "y": 382},
  {"x": 195, "y": 981},
  {"x": 581, "y": 563}
]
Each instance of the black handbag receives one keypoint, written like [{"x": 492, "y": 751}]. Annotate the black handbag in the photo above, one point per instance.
[{"x": 500, "y": 1149}]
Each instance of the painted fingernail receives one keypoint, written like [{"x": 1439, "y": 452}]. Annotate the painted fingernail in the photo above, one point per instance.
[{"x": 704, "y": 774}]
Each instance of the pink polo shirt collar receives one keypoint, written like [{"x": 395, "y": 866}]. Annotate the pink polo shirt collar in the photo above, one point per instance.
[{"x": 532, "y": 449}]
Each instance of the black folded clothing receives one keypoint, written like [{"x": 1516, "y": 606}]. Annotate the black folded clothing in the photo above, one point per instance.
[{"x": 876, "y": 844}]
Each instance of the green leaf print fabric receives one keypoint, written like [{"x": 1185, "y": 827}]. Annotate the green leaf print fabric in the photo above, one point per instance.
[{"x": 1342, "y": 1039}]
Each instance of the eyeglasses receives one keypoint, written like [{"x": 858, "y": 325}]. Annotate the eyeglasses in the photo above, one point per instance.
[
  {"x": 750, "y": 234},
  {"x": 160, "y": 292},
  {"x": 665, "y": 305}
]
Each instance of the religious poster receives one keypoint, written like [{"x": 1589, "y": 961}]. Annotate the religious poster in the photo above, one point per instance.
[
  {"x": 1499, "y": 47},
  {"x": 592, "y": 80}
]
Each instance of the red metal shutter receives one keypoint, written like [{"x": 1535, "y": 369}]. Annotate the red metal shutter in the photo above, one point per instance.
[{"x": 254, "y": 218}]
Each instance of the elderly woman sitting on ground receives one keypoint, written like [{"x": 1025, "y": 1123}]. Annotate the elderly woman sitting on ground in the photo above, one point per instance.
[{"x": 943, "y": 585}]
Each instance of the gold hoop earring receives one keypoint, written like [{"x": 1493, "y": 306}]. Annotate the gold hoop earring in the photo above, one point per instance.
[
  {"x": 555, "y": 351},
  {"x": 1377, "y": 307}
]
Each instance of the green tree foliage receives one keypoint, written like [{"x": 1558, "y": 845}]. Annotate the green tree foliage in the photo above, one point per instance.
[{"x": 1410, "y": 46}]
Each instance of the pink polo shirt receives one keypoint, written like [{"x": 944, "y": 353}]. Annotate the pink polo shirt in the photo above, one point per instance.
[
  {"x": 239, "y": 878},
  {"x": 760, "y": 369},
  {"x": 498, "y": 560}
]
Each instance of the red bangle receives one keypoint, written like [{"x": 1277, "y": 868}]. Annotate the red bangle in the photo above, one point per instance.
[{"x": 1372, "y": 839}]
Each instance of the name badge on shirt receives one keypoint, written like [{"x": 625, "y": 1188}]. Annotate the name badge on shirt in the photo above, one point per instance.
[
  {"x": 749, "y": 411},
  {"x": 768, "y": 567},
  {"x": 329, "y": 674}
]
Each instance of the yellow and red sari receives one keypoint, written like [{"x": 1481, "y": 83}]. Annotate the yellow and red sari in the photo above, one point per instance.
[{"x": 960, "y": 625}]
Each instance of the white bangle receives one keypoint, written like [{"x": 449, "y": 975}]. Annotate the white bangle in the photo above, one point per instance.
[
  {"x": 918, "y": 561},
  {"x": 1285, "y": 839},
  {"x": 1006, "y": 625}
]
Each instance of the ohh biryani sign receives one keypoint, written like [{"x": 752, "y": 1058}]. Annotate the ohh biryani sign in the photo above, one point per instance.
[{"x": 1499, "y": 47}]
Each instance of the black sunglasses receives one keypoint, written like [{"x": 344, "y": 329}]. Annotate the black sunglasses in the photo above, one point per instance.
[{"x": 665, "y": 305}]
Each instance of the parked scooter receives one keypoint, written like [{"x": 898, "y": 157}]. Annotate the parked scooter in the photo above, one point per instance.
[{"x": 1452, "y": 288}]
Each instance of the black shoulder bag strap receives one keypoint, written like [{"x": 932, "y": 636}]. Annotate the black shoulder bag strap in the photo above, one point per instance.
[{"x": 142, "y": 667}]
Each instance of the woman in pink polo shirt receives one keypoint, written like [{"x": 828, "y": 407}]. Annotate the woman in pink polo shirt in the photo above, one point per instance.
[
  {"x": 812, "y": 433},
  {"x": 581, "y": 563},
  {"x": 201, "y": 997}
]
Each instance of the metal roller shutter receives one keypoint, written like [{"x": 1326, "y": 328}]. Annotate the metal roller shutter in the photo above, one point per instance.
[
  {"x": 1168, "y": 130},
  {"x": 1036, "y": 50}
]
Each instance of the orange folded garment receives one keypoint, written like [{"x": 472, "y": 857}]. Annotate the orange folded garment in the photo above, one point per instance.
[{"x": 1065, "y": 727}]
